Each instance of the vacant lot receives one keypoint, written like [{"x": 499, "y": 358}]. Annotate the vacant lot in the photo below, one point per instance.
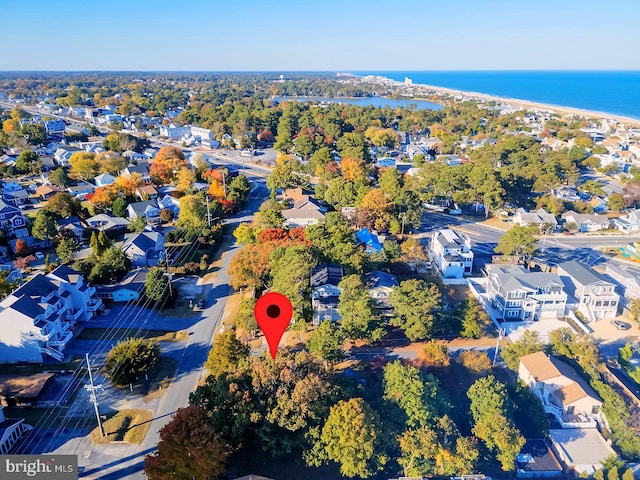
[{"x": 129, "y": 426}]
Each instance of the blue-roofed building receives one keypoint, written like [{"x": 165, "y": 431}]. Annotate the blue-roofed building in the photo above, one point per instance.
[{"x": 369, "y": 240}]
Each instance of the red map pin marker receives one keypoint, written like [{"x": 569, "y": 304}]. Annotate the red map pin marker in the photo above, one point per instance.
[{"x": 273, "y": 312}]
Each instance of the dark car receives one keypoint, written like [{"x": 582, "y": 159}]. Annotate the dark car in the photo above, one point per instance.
[{"x": 200, "y": 303}]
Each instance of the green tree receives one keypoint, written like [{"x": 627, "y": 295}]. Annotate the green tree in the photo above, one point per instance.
[
  {"x": 634, "y": 309},
  {"x": 44, "y": 227},
  {"x": 189, "y": 448},
  {"x": 246, "y": 233},
  {"x": 5, "y": 287},
  {"x": 156, "y": 284},
  {"x": 66, "y": 249},
  {"x": 490, "y": 412},
  {"x": 473, "y": 318},
  {"x": 350, "y": 437},
  {"x": 326, "y": 341},
  {"x": 119, "y": 207},
  {"x": 129, "y": 359},
  {"x": 593, "y": 187},
  {"x": 59, "y": 177},
  {"x": 246, "y": 320},
  {"x": 290, "y": 273},
  {"x": 415, "y": 303},
  {"x": 27, "y": 161},
  {"x": 528, "y": 343},
  {"x": 239, "y": 189},
  {"x": 359, "y": 317},
  {"x": 193, "y": 213},
  {"x": 613, "y": 474},
  {"x": 628, "y": 474},
  {"x": 225, "y": 355},
  {"x": 615, "y": 202},
  {"x": 34, "y": 134},
  {"x": 62, "y": 205},
  {"x": 518, "y": 241},
  {"x": 417, "y": 394}
]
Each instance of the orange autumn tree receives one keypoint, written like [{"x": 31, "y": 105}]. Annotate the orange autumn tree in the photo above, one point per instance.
[
  {"x": 167, "y": 163},
  {"x": 378, "y": 206}
]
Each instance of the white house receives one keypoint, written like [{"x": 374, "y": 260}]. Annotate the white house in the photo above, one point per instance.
[
  {"x": 37, "y": 319},
  {"x": 518, "y": 294},
  {"x": 534, "y": 217},
  {"x": 305, "y": 211},
  {"x": 63, "y": 154},
  {"x": 172, "y": 131},
  {"x": 380, "y": 286},
  {"x": 148, "y": 210},
  {"x": 325, "y": 292},
  {"x": 628, "y": 280},
  {"x": 586, "y": 222},
  {"x": 595, "y": 294},
  {"x": 104, "y": 179},
  {"x": 145, "y": 249},
  {"x": 11, "y": 430},
  {"x": 628, "y": 223},
  {"x": 107, "y": 223},
  {"x": 563, "y": 393},
  {"x": 451, "y": 253}
]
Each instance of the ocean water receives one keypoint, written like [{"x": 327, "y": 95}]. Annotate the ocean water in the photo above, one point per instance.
[
  {"x": 367, "y": 101},
  {"x": 614, "y": 92}
]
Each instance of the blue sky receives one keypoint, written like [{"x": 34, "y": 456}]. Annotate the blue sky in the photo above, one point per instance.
[{"x": 330, "y": 35}]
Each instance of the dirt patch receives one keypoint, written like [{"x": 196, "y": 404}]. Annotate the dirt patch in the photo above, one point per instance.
[{"x": 122, "y": 333}]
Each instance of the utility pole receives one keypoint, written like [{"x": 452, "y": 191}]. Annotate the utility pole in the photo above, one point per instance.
[
  {"x": 93, "y": 395},
  {"x": 208, "y": 212},
  {"x": 495, "y": 355},
  {"x": 166, "y": 264}
]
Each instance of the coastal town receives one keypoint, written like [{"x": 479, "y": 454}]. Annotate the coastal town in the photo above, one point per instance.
[{"x": 465, "y": 280}]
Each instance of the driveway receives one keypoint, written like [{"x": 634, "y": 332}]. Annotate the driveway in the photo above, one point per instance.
[{"x": 609, "y": 339}]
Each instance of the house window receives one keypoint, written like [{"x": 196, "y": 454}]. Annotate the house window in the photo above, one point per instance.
[{"x": 512, "y": 313}]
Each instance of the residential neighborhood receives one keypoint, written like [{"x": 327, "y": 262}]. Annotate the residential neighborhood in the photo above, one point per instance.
[{"x": 429, "y": 265}]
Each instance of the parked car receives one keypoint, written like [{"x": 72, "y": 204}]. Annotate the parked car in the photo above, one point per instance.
[
  {"x": 200, "y": 303},
  {"x": 40, "y": 255},
  {"x": 621, "y": 325}
]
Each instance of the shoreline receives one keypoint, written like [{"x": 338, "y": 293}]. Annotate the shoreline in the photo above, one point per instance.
[{"x": 526, "y": 104}]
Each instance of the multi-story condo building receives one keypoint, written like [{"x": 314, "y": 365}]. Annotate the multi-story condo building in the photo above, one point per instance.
[
  {"x": 451, "y": 253},
  {"x": 595, "y": 294},
  {"x": 517, "y": 294},
  {"x": 37, "y": 320}
]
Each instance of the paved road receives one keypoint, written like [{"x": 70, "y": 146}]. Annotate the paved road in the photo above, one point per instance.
[{"x": 111, "y": 462}]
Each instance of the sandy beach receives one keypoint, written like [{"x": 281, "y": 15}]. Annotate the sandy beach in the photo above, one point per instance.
[{"x": 482, "y": 97}]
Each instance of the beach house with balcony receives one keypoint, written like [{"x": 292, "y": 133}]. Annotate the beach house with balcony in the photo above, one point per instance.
[
  {"x": 517, "y": 294},
  {"x": 451, "y": 253},
  {"x": 563, "y": 393},
  {"x": 37, "y": 320},
  {"x": 594, "y": 294}
]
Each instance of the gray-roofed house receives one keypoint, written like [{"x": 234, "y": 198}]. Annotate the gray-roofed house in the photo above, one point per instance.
[
  {"x": 12, "y": 221},
  {"x": 451, "y": 253},
  {"x": 628, "y": 223},
  {"x": 71, "y": 226},
  {"x": 586, "y": 222},
  {"x": 518, "y": 294},
  {"x": 148, "y": 210},
  {"x": 104, "y": 179},
  {"x": 325, "y": 292},
  {"x": 580, "y": 449},
  {"x": 107, "y": 223},
  {"x": 380, "y": 286},
  {"x": 141, "y": 170},
  {"x": 63, "y": 154},
  {"x": 37, "y": 319},
  {"x": 129, "y": 289},
  {"x": 144, "y": 249},
  {"x": 627, "y": 278},
  {"x": 306, "y": 211},
  {"x": 534, "y": 217},
  {"x": 595, "y": 294}
]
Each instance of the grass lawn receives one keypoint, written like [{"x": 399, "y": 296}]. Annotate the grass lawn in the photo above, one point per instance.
[
  {"x": 31, "y": 368},
  {"x": 125, "y": 426},
  {"x": 122, "y": 333}
]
